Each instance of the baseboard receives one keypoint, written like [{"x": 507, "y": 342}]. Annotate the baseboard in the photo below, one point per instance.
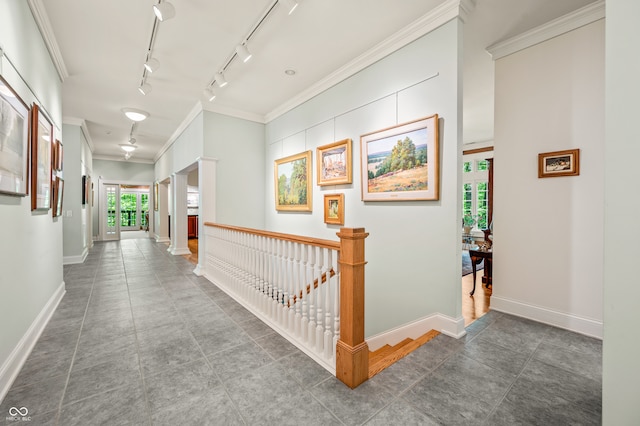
[
  {"x": 442, "y": 323},
  {"x": 72, "y": 260},
  {"x": 12, "y": 365},
  {"x": 162, "y": 239},
  {"x": 199, "y": 271},
  {"x": 564, "y": 320},
  {"x": 180, "y": 251}
]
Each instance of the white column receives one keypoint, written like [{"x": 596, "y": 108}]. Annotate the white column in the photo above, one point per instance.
[
  {"x": 179, "y": 244},
  {"x": 161, "y": 225},
  {"x": 171, "y": 191},
  {"x": 207, "y": 206}
]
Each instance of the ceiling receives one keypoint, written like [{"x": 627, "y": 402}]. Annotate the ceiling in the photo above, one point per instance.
[{"x": 100, "y": 48}]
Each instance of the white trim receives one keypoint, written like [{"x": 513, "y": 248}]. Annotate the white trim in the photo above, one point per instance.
[
  {"x": 72, "y": 260},
  {"x": 197, "y": 109},
  {"x": 437, "y": 17},
  {"x": 442, "y": 323},
  {"x": 130, "y": 160},
  {"x": 74, "y": 121},
  {"x": 160, "y": 239},
  {"x": 180, "y": 251},
  {"x": 233, "y": 112},
  {"x": 569, "y": 22},
  {"x": 12, "y": 365},
  {"x": 564, "y": 320},
  {"x": 39, "y": 13}
]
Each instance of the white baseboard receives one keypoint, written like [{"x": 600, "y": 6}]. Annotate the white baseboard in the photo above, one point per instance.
[
  {"x": 12, "y": 365},
  {"x": 199, "y": 271},
  {"x": 564, "y": 320},
  {"x": 160, "y": 239},
  {"x": 72, "y": 260},
  {"x": 442, "y": 323}
]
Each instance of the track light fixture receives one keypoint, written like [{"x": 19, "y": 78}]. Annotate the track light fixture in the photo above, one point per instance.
[
  {"x": 209, "y": 94},
  {"x": 135, "y": 115},
  {"x": 243, "y": 52},
  {"x": 152, "y": 64},
  {"x": 220, "y": 80},
  {"x": 144, "y": 88},
  {"x": 164, "y": 11},
  {"x": 290, "y": 5}
]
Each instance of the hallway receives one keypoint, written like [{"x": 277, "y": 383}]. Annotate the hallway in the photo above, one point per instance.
[{"x": 138, "y": 339}]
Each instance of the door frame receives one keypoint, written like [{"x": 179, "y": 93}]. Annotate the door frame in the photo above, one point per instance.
[{"x": 102, "y": 208}]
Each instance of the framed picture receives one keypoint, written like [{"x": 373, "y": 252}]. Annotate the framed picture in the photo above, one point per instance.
[
  {"x": 58, "y": 156},
  {"x": 401, "y": 163},
  {"x": 14, "y": 142},
  {"x": 86, "y": 188},
  {"x": 155, "y": 196},
  {"x": 333, "y": 162},
  {"x": 41, "y": 148},
  {"x": 293, "y": 182},
  {"x": 334, "y": 209},
  {"x": 559, "y": 163},
  {"x": 58, "y": 193}
]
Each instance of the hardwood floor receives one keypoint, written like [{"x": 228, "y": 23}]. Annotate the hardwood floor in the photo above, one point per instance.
[
  {"x": 473, "y": 307},
  {"x": 193, "y": 247}
]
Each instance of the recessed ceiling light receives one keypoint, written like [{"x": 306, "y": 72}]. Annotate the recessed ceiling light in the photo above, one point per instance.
[
  {"x": 290, "y": 72},
  {"x": 135, "y": 114}
]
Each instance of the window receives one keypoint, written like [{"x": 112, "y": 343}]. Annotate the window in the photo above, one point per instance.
[{"x": 475, "y": 188}]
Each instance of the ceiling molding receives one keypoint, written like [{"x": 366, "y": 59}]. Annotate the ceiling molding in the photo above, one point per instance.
[
  {"x": 437, "y": 17},
  {"x": 79, "y": 122},
  {"x": 130, "y": 160},
  {"x": 466, "y": 7},
  {"x": 44, "y": 25},
  {"x": 197, "y": 109},
  {"x": 569, "y": 22},
  {"x": 212, "y": 107}
]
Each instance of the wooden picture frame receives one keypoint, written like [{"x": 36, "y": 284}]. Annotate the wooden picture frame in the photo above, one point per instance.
[
  {"x": 41, "y": 165},
  {"x": 14, "y": 142},
  {"x": 559, "y": 163},
  {"x": 85, "y": 194},
  {"x": 334, "y": 209},
  {"x": 333, "y": 163},
  {"x": 58, "y": 194},
  {"x": 292, "y": 182},
  {"x": 401, "y": 163},
  {"x": 59, "y": 156},
  {"x": 155, "y": 196}
]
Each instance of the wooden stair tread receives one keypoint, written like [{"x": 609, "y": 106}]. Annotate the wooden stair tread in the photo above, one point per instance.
[{"x": 387, "y": 355}]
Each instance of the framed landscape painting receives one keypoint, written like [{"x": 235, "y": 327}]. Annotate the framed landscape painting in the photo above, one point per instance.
[
  {"x": 334, "y": 163},
  {"x": 14, "y": 142},
  {"x": 401, "y": 163},
  {"x": 293, "y": 182},
  {"x": 334, "y": 209},
  {"x": 41, "y": 156},
  {"x": 559, "y": 163}
]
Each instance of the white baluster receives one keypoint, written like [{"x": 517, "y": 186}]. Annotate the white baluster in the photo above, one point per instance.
[
  {"x": 312, "y": 298},
  {"x": 328, "y": 308},
  {"x": 304, "y": 279},
  {"x": 320, "y": 303},
  {"x": 297, "y": 280},
  {"x": 336, "y": 307}
]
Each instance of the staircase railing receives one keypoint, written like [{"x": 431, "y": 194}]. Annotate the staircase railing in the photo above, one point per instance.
[{"x": 311, "y": 291}]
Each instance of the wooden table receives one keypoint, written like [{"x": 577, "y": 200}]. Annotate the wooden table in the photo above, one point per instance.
[{"x": 476, "y": 257}]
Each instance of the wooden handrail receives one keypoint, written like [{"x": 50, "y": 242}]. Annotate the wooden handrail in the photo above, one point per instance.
[
  {"x": 317, "y": 242},
  {"x": 332, "y": 273}
]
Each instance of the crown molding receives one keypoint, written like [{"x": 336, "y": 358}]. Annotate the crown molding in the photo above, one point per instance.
[
  {"x": 74, "y": 121},
  {"x": 130, "y": 160},
  {"x": 569, "y": 22},
  {"x": 197, "y": 109},
  {"x": 437, "y": 17},
  {"x": 245, "y": 115},
  {"x": 44, "y": 25}
]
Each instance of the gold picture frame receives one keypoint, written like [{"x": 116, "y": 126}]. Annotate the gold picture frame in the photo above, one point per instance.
[
  {"x": 292, "y": 182},
  {"x": 401, "y": 163},
  {"x": 559, "y": 163},
  {"x": 155, "y": 196},
  {"x": 334, "y": 209},
  {"x": 333, "y": 163}
]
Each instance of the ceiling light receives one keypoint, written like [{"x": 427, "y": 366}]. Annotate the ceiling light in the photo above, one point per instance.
[
  {"x": 132, "y": 141},
  {"x": 209, "y": 94},
  {"x": 152, "y": 64},
  {"x": 220, "y": 80},
  {"x": 290, "y": 72},
  {"x": 144, "y": 88},
  {"x": 289, "y": 4},
  {"x": 127, "y": 156},
  {"x": 135, "y": 114},
  {"x": 128, "y": 148},
  {"x": 164, "y": 11},
  {"x": 243, "y": 52}
]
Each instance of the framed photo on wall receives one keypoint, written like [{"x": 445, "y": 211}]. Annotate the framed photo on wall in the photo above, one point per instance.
[
  {"x": 41, "y": 164},
  {"x": 401, "y": 163},
  {"x": 155, "y": 196},
  {"x": 14, "y": 142},
  {"x": 334, "y": 209},
  {"x": 333, "y": 163},
  {"x": 58, "y": 193},
  {"x": 59, "y": 156},
  {"x": 292, "y": 182},
  {"x": 559, "y": 163}
]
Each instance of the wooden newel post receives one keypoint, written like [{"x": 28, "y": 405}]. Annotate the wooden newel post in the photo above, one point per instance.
[{"x": 352, "y": 352}]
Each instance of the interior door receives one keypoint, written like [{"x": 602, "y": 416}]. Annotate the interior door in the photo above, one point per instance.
[{"x": 112, "y": 206}]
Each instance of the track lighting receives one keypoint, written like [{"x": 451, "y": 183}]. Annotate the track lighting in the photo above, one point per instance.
[
  {"x": 152, "y": 64},
  {"x": 127, "y": 156},
  {"x": 290, "y": 5},
  {"x": 128, "y": 148},
  {"x": 220, "y": 80},
  {"x": 209, "y": 94},
  {"x": 164, "y": 11},
  {"x": 243, "y": 52},
  {"x": 135, "y": 115},
  {"x": 144, "y": 88}
]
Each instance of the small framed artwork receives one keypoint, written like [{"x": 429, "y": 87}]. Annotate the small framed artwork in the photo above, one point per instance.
[
  {"x": 559, "y": 163},
  {"x": 58, "y": 193},
  {"x": 334, "y": 209},
  {"x": 401, "y": 163},
  {"x": 14, "y": 142},
  {"x": 293, "y": 182},
  {"x": 333, "y": 162},
  {"x": 85, "y": 194},
  {"x": 155, "y": 196},
  {"x": 58, "y": 156},
  {"x": 41, "y": 155}
]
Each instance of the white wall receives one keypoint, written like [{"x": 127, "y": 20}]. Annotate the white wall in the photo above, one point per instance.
[
  {"x": 184, "y": 151},
  {"x": 548, "y": 233},
  {"x": 30, "y": 243},
  {"x": 413, "y": 250},
  {"x": 621, "y": 351}
]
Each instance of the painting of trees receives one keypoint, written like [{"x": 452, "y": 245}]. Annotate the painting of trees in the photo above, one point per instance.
[{"x": 292, "y": 181}]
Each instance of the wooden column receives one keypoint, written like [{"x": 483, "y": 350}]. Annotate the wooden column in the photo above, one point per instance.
[{"x": 352, "y": 352}]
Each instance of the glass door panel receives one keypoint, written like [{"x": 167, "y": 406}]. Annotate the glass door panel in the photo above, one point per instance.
[
  {"x": 129, "y": 218},
  {"x": 111, "y": 225}
]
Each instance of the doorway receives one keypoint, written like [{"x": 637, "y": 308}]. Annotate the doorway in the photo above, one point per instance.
[{"x": 125, "y": 210}]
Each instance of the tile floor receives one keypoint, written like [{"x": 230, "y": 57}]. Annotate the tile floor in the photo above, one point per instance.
[{"x": 139, "y": 340}]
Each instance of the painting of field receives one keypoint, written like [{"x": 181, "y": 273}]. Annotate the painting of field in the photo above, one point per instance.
[{"x": 405, "y": 180}]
